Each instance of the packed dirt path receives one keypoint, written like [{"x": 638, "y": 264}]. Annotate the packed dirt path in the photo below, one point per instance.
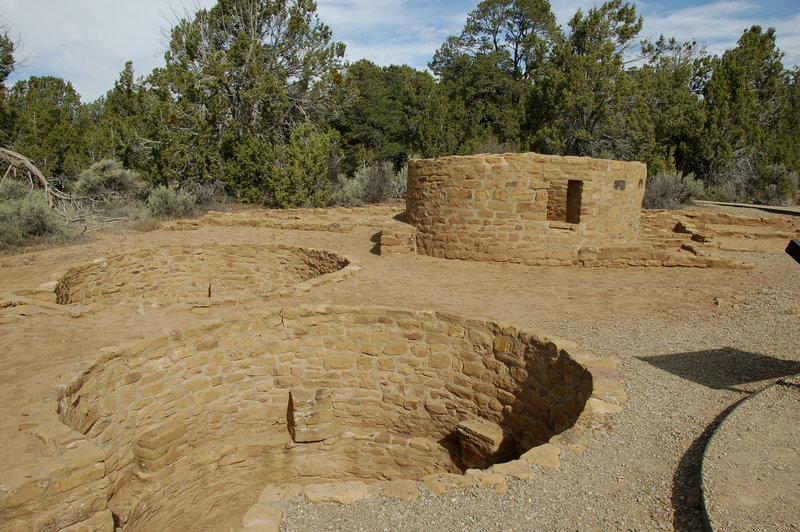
[{"x": 691, "y": 341}]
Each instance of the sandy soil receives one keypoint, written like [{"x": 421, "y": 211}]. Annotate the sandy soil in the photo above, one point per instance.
[{"x": 42, "y": 347}]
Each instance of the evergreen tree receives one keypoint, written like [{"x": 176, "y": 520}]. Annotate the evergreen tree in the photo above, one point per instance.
[
  {"x": 583, "y": 96},
  {"x": 7, "y": 48},
  {"x": 744, "y": 101},
  {"x": 489, "y": 67},
  {"x": 240, "y": 78},
  {"x": 47, "y": 112},
  {"x": 668, "y": 84}
]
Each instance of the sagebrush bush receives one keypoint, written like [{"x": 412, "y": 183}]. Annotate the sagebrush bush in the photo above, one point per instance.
[
  {"x": 108, "y": 179},
  {"x": 11, "y": 189},
  {"x": 671, "y": 190},
  {"x": 208, "y": 193},
  {"x": 725, "y": 192},
  {"x": 10, "y": 235},
  {"x": 371, "y": 184},
  {"x": 29, "y": 219},
  {"x": 777, "y": 185},
  {"x": 167, "y": 203}
]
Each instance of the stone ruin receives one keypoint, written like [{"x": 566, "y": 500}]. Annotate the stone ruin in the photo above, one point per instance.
[
  {"x": 301, "y": 396},
  {"x": 200, "y": 274},
  {"x": 296, "y": 398},
  {"x": 521, "y": 207}
]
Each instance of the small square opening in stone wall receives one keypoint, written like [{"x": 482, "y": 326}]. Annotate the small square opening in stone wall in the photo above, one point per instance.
[{"x": 564, "y": 201}]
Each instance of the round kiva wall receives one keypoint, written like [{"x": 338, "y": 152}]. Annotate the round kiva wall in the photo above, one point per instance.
[
  {"x": 192, "y": 422},
  {"x": 522, "y": 207},
  {"x": 206, "y": 273}
]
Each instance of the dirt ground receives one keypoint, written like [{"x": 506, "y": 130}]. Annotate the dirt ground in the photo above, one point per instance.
[{"x": 42, "y": 346}]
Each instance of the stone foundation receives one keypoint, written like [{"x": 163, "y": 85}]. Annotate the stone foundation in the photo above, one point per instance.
[{"x": 201, "y": 416}]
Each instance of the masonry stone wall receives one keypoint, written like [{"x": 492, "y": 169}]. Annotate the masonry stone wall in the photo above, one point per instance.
[
  {"x": 197, "y": 272},
  {"x": 522, "y": 207},
  {"x": 201, "y": 414}
]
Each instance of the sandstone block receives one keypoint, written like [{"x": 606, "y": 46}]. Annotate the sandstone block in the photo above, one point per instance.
[
  {"x": 261, "y": 517},
  {"x": 99, "y": 522},
  {"x": 405, "y": 490},
  {"x": 483, "y": 443},
  {"x": 484, "y": 479},
  {"x": 78, "y": 478},
  {"x": 575, "y": 439},
  {"x": 396, "y": 348},
  {"x": 310, "y": 415},
  {"x": 441, "y": 483},
  {"x": 339, "y": 492},
  {"x": 520, "y": 469},
  {"x": 546, "y": 455},
  {"x": 279, "y": 493}
]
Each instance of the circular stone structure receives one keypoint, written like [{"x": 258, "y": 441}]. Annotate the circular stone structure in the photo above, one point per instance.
[
  {"x": 523, "y": 207},
  {"x": 751, "y": 465},
  {"x": 199, "y": 273},
  {"x": 183, "y": 428}
]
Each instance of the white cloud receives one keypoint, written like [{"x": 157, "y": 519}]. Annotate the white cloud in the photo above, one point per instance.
[
  {"x": 719, "y": 25},
  {"x": 88, "y": 41},
  {"x": 393, "y": 32}
]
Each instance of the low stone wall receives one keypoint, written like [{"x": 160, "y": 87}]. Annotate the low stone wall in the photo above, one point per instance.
[
  {"x": 522, "y": 207},
  {"x": 207, "y": 273},
  {"x": 398, "y": 238},
  {"x": 201, "y": 414}
]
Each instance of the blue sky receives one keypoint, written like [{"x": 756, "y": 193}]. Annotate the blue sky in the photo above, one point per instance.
[{"x": 88, "y": 41}]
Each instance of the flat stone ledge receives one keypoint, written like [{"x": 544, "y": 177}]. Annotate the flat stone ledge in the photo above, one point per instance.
[{"x": 339, "y": 492}]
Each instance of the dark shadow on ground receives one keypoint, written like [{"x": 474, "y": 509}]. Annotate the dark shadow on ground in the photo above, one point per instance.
[
  {"x": 686, "y": 495},
  {"x": 376, "y": 239},
  {"x": 724, "y": 368},
  {"x": 401, "y": 217}
]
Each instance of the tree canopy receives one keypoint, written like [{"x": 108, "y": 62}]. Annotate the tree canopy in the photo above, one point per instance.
[{"x": 256, "y": 95}]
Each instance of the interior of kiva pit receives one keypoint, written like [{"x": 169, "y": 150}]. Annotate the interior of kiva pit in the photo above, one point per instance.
[{"x": 311, "y": 395}]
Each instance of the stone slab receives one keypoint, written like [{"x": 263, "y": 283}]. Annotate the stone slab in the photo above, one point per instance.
[{"x": 339, "y": 492}]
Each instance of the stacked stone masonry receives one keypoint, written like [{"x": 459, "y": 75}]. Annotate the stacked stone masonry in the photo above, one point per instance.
[
  {"x": 522, "y": 207},
  {"x": 196, "y": 273},
  {"x": 201, "y": 414}
]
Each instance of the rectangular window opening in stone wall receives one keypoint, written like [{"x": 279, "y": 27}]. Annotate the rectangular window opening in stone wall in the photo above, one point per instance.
[
  {"x": 574, "y": 193},
  {"x": 564, "y": 201}
]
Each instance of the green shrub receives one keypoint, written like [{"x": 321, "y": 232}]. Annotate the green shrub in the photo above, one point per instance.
[
  {"x": 371, "y": 184},
  {"x": 209, "y": 193},
  {"x": 671, "y": 190},
  {"x": 726, "y": 192},
  {"x": 11, "y": 189},
  {"x": 166, "y": 203},
  {"x": 777, "y": 185},
  {"x": 30, "y": 219},
  {"x": 397, "y": 185},
  {"x": 348, "y": 191},
  {"x": 108, "y": 179},
  {"x": 10, "y": 235}
]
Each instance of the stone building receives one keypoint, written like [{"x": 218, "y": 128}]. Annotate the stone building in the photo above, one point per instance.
[{"x": 523, "y": 207}]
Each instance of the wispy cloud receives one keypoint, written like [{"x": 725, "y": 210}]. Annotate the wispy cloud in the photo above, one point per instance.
[
  {"x": 88, "y": 41},
  {"x": 719, "y": 25},
  {"x": 393, "y": 32}
]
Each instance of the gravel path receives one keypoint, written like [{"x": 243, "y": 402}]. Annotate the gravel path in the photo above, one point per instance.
[
  {"x": 682, "y": 373},
  {"x": 751, "y": 470}
]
